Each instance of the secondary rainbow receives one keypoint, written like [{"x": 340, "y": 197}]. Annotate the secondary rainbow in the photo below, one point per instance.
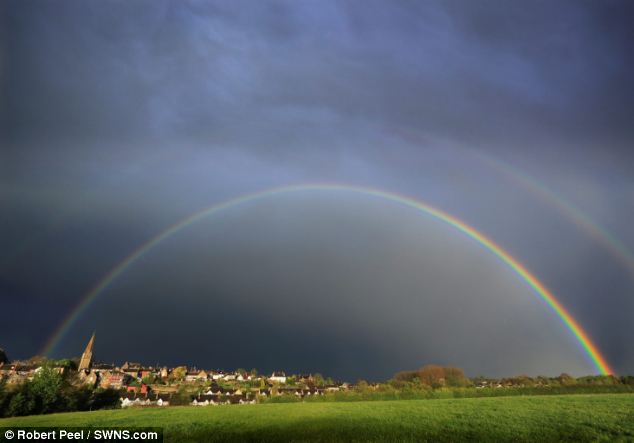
[
  {"x": 590, "y": 349},
  {"x": 544, "y": 194},
  {"x": 600, "y": 234}
]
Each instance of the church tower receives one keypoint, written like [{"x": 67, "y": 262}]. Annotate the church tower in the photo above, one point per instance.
[{"x": 86, "y": 357}]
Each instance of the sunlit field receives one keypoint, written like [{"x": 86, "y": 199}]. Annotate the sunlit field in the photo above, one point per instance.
[{"x": 598, "y": 417}]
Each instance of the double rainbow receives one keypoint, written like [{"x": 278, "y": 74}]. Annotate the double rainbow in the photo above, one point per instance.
[{"x": 590, "y": 349}]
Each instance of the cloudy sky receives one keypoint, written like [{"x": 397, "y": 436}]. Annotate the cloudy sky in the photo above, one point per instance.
[{"x": 118, "y": 119}]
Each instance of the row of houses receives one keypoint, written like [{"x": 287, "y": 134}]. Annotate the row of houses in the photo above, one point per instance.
[
  {"x": 207, "y": 400},
  {"x": 300, "y": 392},
  {"x": 213, "y": 396},
  {"x": 115, "y": 377},
  {"x": 204, "y": 375},
  {"x": 129, "y": 399}
]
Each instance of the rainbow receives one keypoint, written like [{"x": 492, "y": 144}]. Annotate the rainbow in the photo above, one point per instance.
[
  {"x": 538, "y": 189},
  {"x": 590, "y": 349},
  {"x": 580, "y": 219}
]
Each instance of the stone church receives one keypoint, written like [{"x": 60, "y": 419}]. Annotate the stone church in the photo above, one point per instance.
[{"x": 86, "y": 358}]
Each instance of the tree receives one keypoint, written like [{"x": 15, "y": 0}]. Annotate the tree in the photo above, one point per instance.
[
  {"x": 522, "y": 381},
  {"x": 80, "y": 397},
  {"x": 65, "y": 363},
  {"x": 179, "y": 373},
  {"x": 43, "y": 394},
  {"x": 405, "y": 376},
  {"x": 46, "y": 390},
  {"x": 318, "y": 379},
  {"x": 362, "y": 386},
  {"x": 627, "y": 380},
  {"x": 3, "y": 356},
  {"x": 455, "y": 377},
  {"x": 432, "y": 375},
  {"x": 104, "y": 399},
  {"x": 566, "y": 380},
  {"x": 182, "y": 397},
  {"x": 4, "y": 397},
  {"x": 20, "y": 404},
  {"x": 149, "y": 379}
]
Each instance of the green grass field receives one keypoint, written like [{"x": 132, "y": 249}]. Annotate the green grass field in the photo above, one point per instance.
[{"x": 598, "y": 417}]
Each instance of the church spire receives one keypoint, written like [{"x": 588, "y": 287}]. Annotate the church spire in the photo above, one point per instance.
[{"x": 86, "y": 357}]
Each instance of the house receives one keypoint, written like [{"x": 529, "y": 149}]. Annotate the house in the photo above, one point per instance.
[
  {"x": 305, "y": 378},
  {"x": 200, "y": 402},
  {"x": 240, "y": 400},
  {"x": 205, "y": 400},
  {"x": 191, "y": 376},
  {"x": 102, "y": 367},
  {"x": 128, "y": 365},
  {"x": 279, "y": 377},
  {"x": 133, "y": 370},
  {"x": 132, "y": 373},
  {"x": 313, "y": 391},
  {"x": 18, "y": 372},
  {"x": 130, "y": 399},
  {"x": 114, "y": 380},
  {"x": 215, "y": 390},
  {"x": 143, "y": 389},
  {"x": 127, "y": 399},
  {"x": 158, "y": 399},
  {"x": 246, "y": 401},
  {"x": 162, "y": 400},
  {"x": 217, "y": 375}
]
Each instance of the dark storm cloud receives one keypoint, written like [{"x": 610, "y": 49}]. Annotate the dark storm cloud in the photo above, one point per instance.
[
  {"x": 455, "y": 69},
  {"x": 119, "y": 118}
]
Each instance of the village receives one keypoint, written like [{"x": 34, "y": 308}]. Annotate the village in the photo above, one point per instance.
[
  {"x": 146, "y": 386},
  {"x": 132, "y": 384}
]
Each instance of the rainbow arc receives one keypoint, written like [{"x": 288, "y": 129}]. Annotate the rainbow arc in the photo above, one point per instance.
[{"x": 590, "y": 349}]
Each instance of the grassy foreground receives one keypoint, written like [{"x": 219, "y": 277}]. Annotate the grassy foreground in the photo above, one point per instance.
[{"x": 598, "y": 417}]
